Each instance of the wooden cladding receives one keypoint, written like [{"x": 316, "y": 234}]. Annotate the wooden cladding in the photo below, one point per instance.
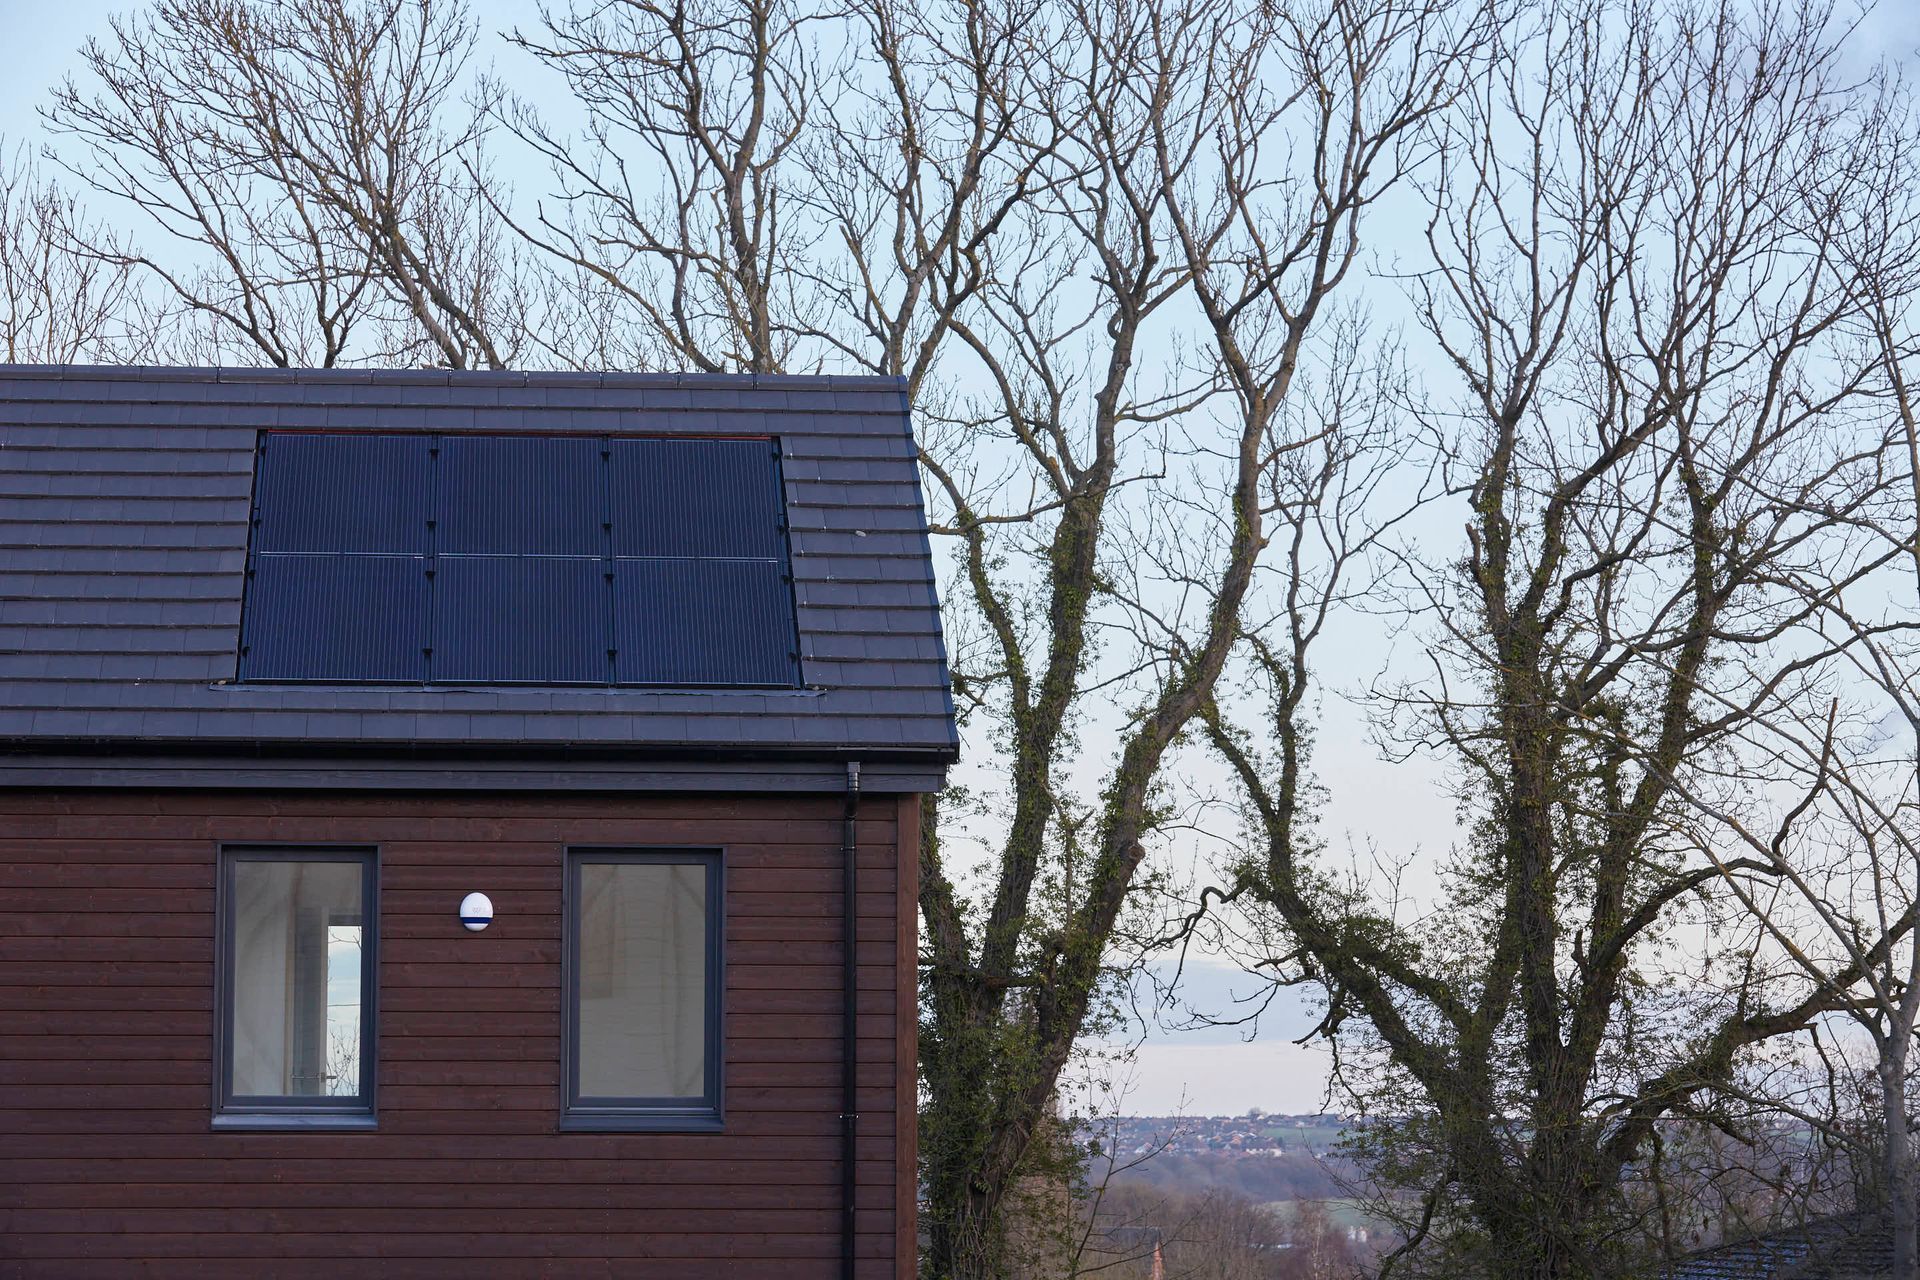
[{"x": 108, "y": 1162}]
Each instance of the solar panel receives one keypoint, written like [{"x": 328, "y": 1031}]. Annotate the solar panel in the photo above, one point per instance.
[
  {"x": 337, "y": 584},
  {"x": 702, "y": 622},
  {"x": 521, "y": 496},
  {"x": 697, "y": 498},
  {"x": 477, "y": 559},
  {"x": 700, "y": 591},
  {"x": 342, "y": 495},
  {"x": 336, "y": 618},
  {"x": 513, "y": 619}
]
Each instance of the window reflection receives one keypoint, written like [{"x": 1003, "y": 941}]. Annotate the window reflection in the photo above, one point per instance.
[{"x": 296, "y": 1030}]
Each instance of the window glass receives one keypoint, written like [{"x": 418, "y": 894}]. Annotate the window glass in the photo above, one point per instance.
[
  {"x": 296, "y": 978},
  {"x": 643, "y": 958},
  {"x": 643, "y": 980}
]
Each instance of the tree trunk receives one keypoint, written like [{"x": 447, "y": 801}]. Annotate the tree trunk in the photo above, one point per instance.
[
  {"x": 962, "y": 1239},
  {"x": 1903, "y": 1189},
  {"x": 1529, "y": 1234},
  {"x": 1536, "y": 1259}
]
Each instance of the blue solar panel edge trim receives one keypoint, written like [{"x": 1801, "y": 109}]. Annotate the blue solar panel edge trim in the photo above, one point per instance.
[{"x": 502, "y": 559}]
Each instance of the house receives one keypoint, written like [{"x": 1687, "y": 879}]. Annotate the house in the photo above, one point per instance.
[
  {"x": 460, "y": 823},
  {"x": 1852, "y": 1246}
]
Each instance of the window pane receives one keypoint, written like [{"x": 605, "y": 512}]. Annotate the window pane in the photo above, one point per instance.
[
  {"x": 296, "y": 979},
  {"x": 643, "y": 980}
]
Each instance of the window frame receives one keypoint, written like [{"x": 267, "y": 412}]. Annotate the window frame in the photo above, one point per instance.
[
  {"x": 295, "y": 1112},
  {"x": 651, "y": 1115}
]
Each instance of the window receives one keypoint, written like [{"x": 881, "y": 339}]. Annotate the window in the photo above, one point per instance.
[
  {"x": 643, "y": 983},
  {"x": 491, "y": 559},
  {"x": 295, "y": 978}
]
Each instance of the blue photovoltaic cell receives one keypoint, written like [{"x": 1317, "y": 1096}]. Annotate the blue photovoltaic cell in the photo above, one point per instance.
[
  {"x": 342, "y": 493},
  {"x": 521, "y": 495},
  {"x": 702, "y": 622},
  {"x": 533, "y": 619},
  {"x": 696, "y": 498},
  {"x": 519, "y": 559},
  {"x": 336, "y": 618}
]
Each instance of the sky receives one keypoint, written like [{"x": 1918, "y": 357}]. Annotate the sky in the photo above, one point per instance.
[
  {"x": 1207, "y": 1070},
  {"x": 1189, "y": 1070}
]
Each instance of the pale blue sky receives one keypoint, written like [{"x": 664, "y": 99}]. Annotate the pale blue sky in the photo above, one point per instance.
[
  {"x": 1208, "y": 1070},
  {"x": 38, "y": 40},
  {"x": 1205, "y": 1071},
  {"x": 40, "y": 36}
]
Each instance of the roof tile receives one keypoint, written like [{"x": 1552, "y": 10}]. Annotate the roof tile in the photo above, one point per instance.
[{"x": 124, "y": 508}]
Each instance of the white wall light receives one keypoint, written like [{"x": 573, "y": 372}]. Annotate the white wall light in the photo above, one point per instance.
[{"x": 476, "y": 911}]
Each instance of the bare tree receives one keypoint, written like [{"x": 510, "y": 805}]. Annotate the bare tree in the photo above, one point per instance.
[
  {"x": 1104, "y": 243},
  {"x": 1840, "y": 891},
  {"x": 933, "y": 153},
  {"x": 1839, "y": 897},
  {"x": 674, "y": 203},
  {"x": 56, "y": 306},
  {"x": 1318, "y": 1249},
  {"x": 1146, "y": 1234},
  {"x": 1661, "y": 422},
  {"x": 1889, "y": 262},
  {"x": 1215, "y": 163},
  {"x": 733, "y": 201},
  {"x": 297, "y": 159}
]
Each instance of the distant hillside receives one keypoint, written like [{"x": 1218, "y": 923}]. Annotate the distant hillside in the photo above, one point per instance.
[{"x": 1265, "y": 1158}]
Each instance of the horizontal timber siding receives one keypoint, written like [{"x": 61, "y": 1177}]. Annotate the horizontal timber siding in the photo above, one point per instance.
[{"x": 108, "y": 1166}]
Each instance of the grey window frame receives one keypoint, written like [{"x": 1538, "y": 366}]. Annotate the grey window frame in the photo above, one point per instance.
[
  {"x": 270, "y": 1112},
  {"x": 706, "y": 1114}
]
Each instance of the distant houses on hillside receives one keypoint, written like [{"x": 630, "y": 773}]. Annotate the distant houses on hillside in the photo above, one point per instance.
[{"x": 1253, "y": 1134}]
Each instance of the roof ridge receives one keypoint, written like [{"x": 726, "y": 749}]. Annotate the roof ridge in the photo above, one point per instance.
[{"x": 363, "y": 375}]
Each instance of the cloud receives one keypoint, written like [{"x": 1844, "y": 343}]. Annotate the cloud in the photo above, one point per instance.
[{"x": 1182, "y": 1078}]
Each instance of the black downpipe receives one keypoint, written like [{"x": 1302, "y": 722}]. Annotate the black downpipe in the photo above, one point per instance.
[{"x": 849, "y": 1014}]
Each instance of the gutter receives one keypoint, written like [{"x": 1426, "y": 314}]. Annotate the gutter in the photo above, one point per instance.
[{"x": 849, "y": 1015}]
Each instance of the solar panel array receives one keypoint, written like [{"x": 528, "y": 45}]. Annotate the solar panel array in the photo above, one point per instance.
[{"x": 501, "y": 559}]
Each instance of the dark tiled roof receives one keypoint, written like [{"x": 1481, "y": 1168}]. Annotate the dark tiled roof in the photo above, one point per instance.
[
  {"x": 1854, "y": 1246},
  {"x": 124, "y": 507}
]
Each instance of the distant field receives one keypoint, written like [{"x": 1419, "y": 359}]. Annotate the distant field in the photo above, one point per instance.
[
  {"x": 1312, "y": 1138},
  {"x": 1351, "y": 1214}
]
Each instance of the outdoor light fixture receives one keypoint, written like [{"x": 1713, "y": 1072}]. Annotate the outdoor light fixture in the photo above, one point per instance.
[{"x": 476, "y": 911}]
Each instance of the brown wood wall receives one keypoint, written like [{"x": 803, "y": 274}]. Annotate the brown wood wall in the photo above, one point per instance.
[{"x": 108, "y": 1166}]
